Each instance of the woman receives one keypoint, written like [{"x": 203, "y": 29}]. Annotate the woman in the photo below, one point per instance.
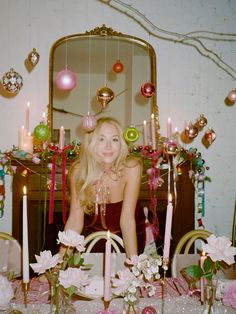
[{"x": 105, "y": 184}]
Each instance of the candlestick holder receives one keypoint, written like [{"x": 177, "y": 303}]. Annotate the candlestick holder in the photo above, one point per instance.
[
  {"x": 165, "y": 266},
  {"x": 25, "y": 291},
  {"x": 106, "y": 305}
]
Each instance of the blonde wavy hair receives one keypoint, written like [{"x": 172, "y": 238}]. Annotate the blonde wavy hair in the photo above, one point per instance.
[{"x": 89, "y": 166}]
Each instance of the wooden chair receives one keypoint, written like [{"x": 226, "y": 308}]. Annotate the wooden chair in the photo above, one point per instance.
[
  {"x": 10, "y": 257},
  {"x": 97, "y": 259},
  {"x": 181, "y": 256}
]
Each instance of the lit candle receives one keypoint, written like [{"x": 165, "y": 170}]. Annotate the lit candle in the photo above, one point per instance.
[
  {"x": 44, "y": 118},
  {"x": 167, "y": 238},
  {"x": 145, "y": 137},
  {"x": 202, "y": 281},
  {"x": 61, "y": 137},
  {"x": 107, "y": 276},
  {"x": 25, "y": 239},
  {"x": 21, "y": 137},
  {"x": 169, "y": 127},
  {"x": 153, "y": 131},
  {"x": 28, "y": 143},
  {"x": 27, "y": 117}
]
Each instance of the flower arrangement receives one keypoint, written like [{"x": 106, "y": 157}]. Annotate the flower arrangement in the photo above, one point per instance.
[
  {"x": 217, "y": 250},
  {"x": 65, "y": 273},
  {"x": 138, "y": 275}
]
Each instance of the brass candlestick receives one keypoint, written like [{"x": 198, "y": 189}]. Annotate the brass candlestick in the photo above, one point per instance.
[
  {"x": 165, "y": 266},
  {"x": 106, "y": 305},
  {"x": 25, "y": 290}
]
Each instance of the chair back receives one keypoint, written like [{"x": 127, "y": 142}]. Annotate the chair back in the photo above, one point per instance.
[
  {"x": 94, "y": 237},
  {"x": 181, "y": 256},
  {"x": 10, "y": 257}
]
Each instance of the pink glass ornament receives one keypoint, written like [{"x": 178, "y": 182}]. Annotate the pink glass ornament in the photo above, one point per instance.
[
  {"x": 147, "y": 90},
  {"x": 232, "y": 95},
  {"x": 171, "y": 148},
  {"x": 66, "y": 80},
  {"x": 88, "y": 123}
]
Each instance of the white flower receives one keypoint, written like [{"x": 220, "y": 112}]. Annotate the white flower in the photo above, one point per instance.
[
  {"x": 45, "y": 261},
  {"x": 219, "y": 249},
  {"x": 123, "y": 282},
  {"x": 6, "y": 291},
  {"x": 72, "y": 239},
  {"x": 73, "y": 277}
]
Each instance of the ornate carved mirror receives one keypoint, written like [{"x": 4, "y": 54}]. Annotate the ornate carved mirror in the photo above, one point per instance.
[{"x": 93, "y": 57}]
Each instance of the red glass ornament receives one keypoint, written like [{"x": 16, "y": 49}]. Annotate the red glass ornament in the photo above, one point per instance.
[
  {"x": 118, "y": 66},
  {"x": 149, "y": 310},
  {"x": 88, "y": 123},
  {"x": 66, "y": 80},
  {"x": 147, "y": 90}
]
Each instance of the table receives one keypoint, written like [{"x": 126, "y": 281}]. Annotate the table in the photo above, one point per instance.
[{"x": 181, "y": 304}]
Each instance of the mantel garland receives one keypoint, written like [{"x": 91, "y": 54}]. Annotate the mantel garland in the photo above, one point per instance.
[{"x": 154, "y": 161}]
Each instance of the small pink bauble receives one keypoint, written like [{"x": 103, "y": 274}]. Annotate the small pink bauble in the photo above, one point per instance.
[
  {"x": 88, "y": 123},
  {"x": 149, "y": 310},
  {"x": 147, "y": 90},
  {"x": 66, "y": 80},
  {"x": 232, "y": 95}
]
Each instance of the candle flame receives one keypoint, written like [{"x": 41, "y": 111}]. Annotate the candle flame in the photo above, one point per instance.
[
  {"x": 144, "y": 122},
  {"x": 24, "y": 190},
  {"x": 152, "y": 115},
  {"x": 108, "y": 234},
  {"x": 169, "y": 120},
  {"x": 28, "y": 104},
  {"x": 170, "y": 198},
  {"x": 203, "y": 253}
]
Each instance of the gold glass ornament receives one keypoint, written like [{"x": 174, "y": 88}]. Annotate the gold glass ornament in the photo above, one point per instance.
[
  {"x": 12, "y": 81},
  {"x": 191, "y": 131},
  {"x": 33, "y": 57},
  {"x": 104, "y": 95},
  {"x": 202, "y": 121}
]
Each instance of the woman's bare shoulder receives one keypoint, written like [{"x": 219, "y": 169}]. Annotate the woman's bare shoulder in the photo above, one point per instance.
[{"x": 134, "y": 162}]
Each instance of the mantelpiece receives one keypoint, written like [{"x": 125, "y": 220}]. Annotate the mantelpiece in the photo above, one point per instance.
[{"x": 43, "y": 236}]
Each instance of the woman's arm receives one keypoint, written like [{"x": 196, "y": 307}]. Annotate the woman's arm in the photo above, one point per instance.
[
  {"x": 75, "y": 220},
  {"x": 127, "y": 219}
]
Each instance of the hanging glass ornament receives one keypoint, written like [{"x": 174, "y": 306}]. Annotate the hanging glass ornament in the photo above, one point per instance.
[
  {"x": 202, "y": 121},
  {"x": 66, "y": 80},
  {"x": 171, "y": 148},
  {"x": 41, "y": 132},
  {"x": 88, "y": 123},
  {"x": 131, "y": 134},
  {"x": 33, "y": 57},
  {"x": 118, "y": 66},
  {"x": 149, "y": 310},
  {"x": 147, "y": 90},
  {"x": 210, "y": 136},
  {"x": 104, "y": 95},
  {"x": 191, "y": 131},
  {"x": 232, "y": 95},
  {"x": 12, "y": 81}
]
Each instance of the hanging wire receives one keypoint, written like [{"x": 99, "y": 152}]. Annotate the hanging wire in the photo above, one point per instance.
[
  {"x": 105, "y": 61},
  {"x": 89, "y": 68}
]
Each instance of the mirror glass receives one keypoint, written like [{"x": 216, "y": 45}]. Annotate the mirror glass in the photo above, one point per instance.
[{"x": 92, "y": 56}]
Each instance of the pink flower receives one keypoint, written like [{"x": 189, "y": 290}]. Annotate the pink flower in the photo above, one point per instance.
[
  {"x": 229, "y": 296},
  {"x": 219, "y": 249},
  {"x": 72, "y": 239},
  {"x": 45, "y": 261}
]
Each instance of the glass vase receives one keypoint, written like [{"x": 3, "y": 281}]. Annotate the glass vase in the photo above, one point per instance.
[
  {"x": 66, "y": 305},
  {"x": 209, "y": 299}
]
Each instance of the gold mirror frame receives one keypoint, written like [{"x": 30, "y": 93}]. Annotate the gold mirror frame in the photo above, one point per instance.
[{"x": 109, "y": 37}]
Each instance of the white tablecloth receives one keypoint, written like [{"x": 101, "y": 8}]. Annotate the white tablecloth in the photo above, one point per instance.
[{"x": 182, "y": 304}]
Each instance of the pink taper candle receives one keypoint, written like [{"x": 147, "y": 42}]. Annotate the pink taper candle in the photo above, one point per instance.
[
  {"x": 61, "y": 137},
  {"x": 27, "y": 117},
  {"x": 107, "y": 276},
  {"x": 169, "y": 214},
  {"x": 169, "y": 127},
  {"x": 145, "y": 137},
  {"x": 153, "y": 131},
  {"x": 202, "y": 280},
  {"x": 25, "y": 248}
]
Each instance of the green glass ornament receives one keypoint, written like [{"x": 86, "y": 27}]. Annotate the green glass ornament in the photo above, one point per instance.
[
  {"x": 131, "y": 134},
  {"x": 41, "y": 132}
]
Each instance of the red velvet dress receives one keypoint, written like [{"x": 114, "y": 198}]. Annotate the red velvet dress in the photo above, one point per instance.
[{"x": 111, "y": 221}]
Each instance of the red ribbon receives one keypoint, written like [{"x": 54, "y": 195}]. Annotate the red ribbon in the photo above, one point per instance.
[{"x": 58, "y": 152}]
